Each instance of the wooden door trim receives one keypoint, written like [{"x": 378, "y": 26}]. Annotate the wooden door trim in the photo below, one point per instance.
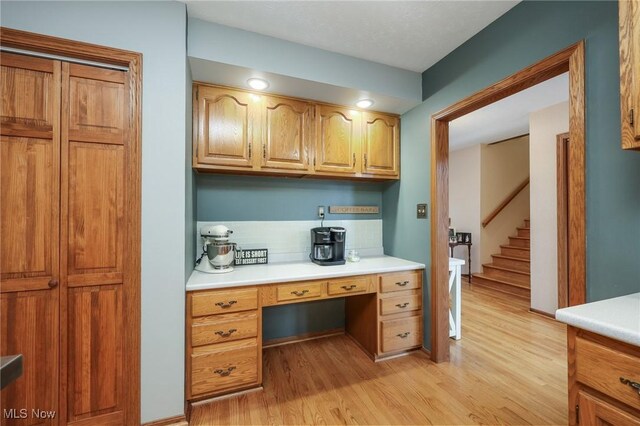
[
  {"x": 562, "y": 147},
  {"x": 570, "y": 59},
  {"x": 133, "y": 61}
]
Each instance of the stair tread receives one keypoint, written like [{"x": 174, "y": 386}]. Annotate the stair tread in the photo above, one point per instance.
[
  {"x": 520, "y": 238},
  {"x": 503, "y": 268},
  {"x": 515, "y": 247},
  {"x": 524, "y": 228},
  {"x": 519, "y": 259},
  {"x": 501, "y": 281}
]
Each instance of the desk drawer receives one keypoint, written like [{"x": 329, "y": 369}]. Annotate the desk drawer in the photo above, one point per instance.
[
  {"x": 223, "y": 301},
  {"x": 403, "y": 333},
  {"x": 224, "y": 366},
  {"x": 409, "y": 301},
  {"x": 224, "y": 328},
  {"x": 348, "y": 286},
  {"x": 601, "y": 368},
  {"x": 399, "y": 281},
  {"x": 300, "y": 291}
]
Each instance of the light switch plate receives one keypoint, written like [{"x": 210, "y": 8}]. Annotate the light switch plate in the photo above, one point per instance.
[
  {"x": 422, "y": 211},
  {"x": 321, "y": 212}
]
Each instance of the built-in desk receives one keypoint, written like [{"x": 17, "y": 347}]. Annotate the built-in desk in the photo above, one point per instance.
[{"x": 224, "y": 315}]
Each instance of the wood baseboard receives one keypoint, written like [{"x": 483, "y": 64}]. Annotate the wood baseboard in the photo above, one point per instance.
[
  {"x": 301, "y": 337},
  {"x": 169, "y": 421},
  {"x": 426, "y": 351},
  {"x": 544, "y": 314}
]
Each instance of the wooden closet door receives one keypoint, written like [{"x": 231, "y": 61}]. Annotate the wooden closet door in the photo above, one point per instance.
[
  {"x": 95, "y": 148},
  {"x": 287, "y": 137},
  {"x": 338, "y": 141},
  {"x": 29, "y": 240},
  {"x": 381, "y": 144}
]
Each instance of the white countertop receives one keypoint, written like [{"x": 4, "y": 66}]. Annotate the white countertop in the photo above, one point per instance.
[
  {"x": 617, "y": 318},
  {"x": 296, "y": 271}
]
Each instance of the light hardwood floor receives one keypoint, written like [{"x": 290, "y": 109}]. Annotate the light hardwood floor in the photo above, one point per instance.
[{"x": 509, "y": 368}]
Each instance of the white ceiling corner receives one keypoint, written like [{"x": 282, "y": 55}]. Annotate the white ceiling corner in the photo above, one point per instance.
[{"x": 411, "y": 35}]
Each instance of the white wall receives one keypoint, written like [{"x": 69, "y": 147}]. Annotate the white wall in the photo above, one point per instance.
[
  {"x": 158, "y": 31},
  {"x": 544, "y": 126},
  {"x": 464, "y": 200}
]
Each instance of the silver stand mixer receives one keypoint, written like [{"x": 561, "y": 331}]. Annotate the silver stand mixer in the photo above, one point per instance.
[{"x": 218, "y": 254}]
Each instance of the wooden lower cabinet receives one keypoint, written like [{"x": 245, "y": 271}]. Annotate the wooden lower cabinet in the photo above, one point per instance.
[
  {"x": 224, "y": 339},
  {"x": 604, "y": 380}
]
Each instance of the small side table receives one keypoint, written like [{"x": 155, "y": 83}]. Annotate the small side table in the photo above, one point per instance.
[{"x": 452, "y": 245}]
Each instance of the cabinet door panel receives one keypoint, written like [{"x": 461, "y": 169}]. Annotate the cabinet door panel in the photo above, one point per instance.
[
  {"x": 226, "y": 127},
  {"x": 381, "y": 144},
  {"x": 630, "y": 72},
  {"x": 95, "y": 351},
  {"x": 29, "y": 323},
  {"x": 338, "y": 141},
  {"x": 287, "y": 134},
  {"x": 596, "y": 412}
]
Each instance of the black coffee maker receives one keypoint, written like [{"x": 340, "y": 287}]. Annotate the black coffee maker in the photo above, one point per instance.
[{"x": 327, "y": 245}]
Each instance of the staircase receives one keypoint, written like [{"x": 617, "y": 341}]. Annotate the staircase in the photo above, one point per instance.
[{"x": 510, "y": 270}]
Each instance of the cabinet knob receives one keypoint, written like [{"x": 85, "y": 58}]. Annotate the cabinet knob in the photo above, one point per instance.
[
  {"x": 227, "y": 334},
  {"x": 53, "y": 283},
  {"x": 349, "y": 287},
  {"x": 404, "y": 335},
  {"x": 225, "y": 305},
  {"x": 402, "y": 284},
  {"x": 225, "y": 372},
  {"x": 300, "y": 293},
  {"x": 402, "y": 305},
  {"x": 354, "y": 159}
]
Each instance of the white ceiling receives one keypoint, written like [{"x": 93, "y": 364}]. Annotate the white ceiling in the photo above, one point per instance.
[
  {"x": 508, "y": 117},
  {"x": 411, "y": 35}
]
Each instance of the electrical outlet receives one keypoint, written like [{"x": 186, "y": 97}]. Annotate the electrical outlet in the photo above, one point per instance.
[
  {"x": 422, "y": 211},
  {"x": 321, "y": 212}
]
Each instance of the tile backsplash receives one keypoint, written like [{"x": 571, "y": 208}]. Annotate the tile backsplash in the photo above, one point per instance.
[{"x": 290, "y": 240}]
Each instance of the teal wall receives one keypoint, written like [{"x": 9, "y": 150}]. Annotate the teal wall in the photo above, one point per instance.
[
  {"x": 524, "y": 35},
  {"x": 225, "y": 197}
]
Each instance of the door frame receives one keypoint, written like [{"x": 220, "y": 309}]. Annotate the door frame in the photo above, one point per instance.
[
  {"x": 39, "y": 43},
  {"x": 569, "y": 60},
  {"x": 563, "y": 165}
]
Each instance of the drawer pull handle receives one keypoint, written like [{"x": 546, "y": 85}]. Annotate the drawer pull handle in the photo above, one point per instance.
[
  {"x": 402, "y": 305},
  {"x": 634, "y": 385},
  {"x": 404, "y": 335},
  {"x": 225, "y": 373},
  {"x": 402, "y": 284},
  {"x": 300, "y": 293},
  {"x": 349, "y": 287},
  {"x": 224, "y": 305},
  {"x": 227, "y": 334}
]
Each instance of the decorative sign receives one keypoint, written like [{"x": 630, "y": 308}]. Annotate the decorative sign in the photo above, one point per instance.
[
  {"x": 252, "y": 257},
  {"x": 354, "y": 209}
]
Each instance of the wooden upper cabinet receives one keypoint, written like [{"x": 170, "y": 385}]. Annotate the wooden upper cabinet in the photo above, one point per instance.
[
  {"x": 381, "y": 144},
  {"x": 630, "y": 72},
  {"x": 228, "y": 127},
  {"x": 339, "y": 138},
  {"x": 287, "y": 133},
  {"x": 256, "y": 133}
]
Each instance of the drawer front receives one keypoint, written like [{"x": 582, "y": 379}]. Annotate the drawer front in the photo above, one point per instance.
[
  {"x": 601, "y": 368},
  {"x": 225, "y": 366},
  {"x": 224, "y": 328},
  {"x": 300, "y": 291},
  {"x": 399, "y": 282},
  {"x": 409, "y": 301},
  {"x": 348, "y": 286},
  {"x": 223, "y": 301},
  {"x": 403, "y": 333}
]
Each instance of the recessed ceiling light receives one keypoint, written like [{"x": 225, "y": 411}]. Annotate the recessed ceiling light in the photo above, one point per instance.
[
  {"x": 364, "y": 103},
  {"x": 258, "y": 83}
]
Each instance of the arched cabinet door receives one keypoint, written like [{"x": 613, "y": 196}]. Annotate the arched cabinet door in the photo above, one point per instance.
[
  {"x": 381, "y": 144},
  {"x": 287, "y": 132},
  {"x": 227, "y": 127},
  {"x": 338, "y": 140}
]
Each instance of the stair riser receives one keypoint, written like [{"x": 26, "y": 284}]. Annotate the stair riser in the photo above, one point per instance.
[
  {"x": 527, "y": 223},
  {"x": 515, "y": 291},
  {"x": 513, "y": 277},
  {"x": 519, "y": 243},
  {"x": 513, "y": 264},
  {"x": 522, "y": 254},
  {"x": 523, "y": 232}
]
